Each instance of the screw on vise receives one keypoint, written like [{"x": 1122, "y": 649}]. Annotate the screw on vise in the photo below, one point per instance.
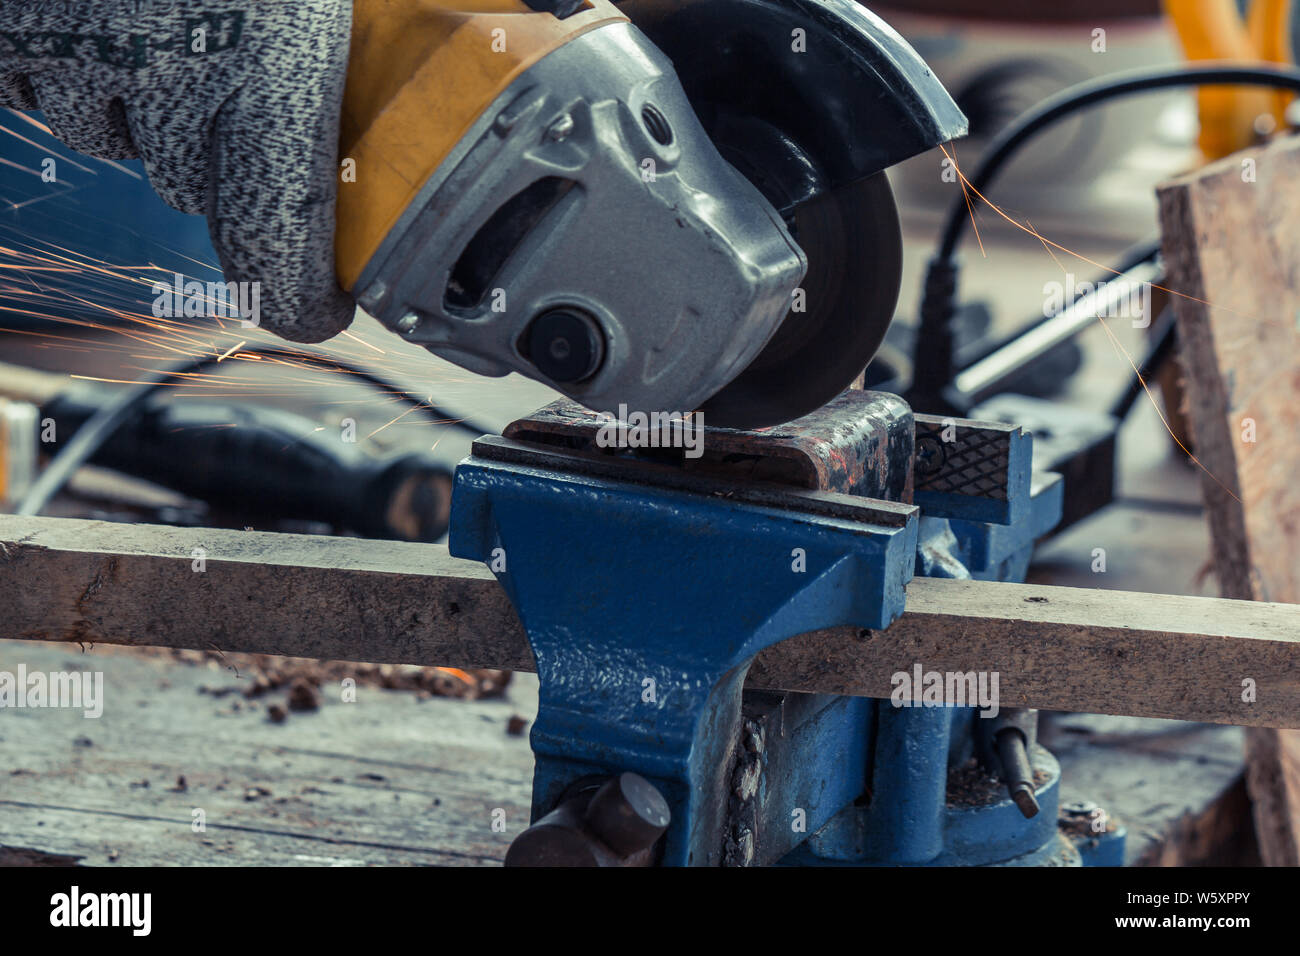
[
  {"x": 1016, "y": 771},
  {"x": 613, "y": 821},
  {"x": 1005, "y": 743}
]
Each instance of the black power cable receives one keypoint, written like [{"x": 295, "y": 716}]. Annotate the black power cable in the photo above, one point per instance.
[
  {"x": 97, "y": 430},
  {"x": 932, "y": 362}
]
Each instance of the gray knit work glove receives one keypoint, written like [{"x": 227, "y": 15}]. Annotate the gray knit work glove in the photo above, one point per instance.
[{"x": 233, "y": 105}]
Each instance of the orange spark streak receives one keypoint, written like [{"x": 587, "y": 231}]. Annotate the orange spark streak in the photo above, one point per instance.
[
  {"x": 394, "y": 421},
  {"x": 1078, "y": 255},
  {"x": 459, "y": 675},
  {"x": 233, "y": 348},
  {"x": 362, "y": 341},
  {"x": 1115, "y": 342}
]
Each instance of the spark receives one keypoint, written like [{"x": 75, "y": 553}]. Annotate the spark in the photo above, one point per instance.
[
  {"x": 18, "y": 114},
  {"x": 53, "y": 195},
  {"x": 394, "y": 421},
  {"x": 970, "y": 207},
  {"x": 1078, "y": 255},
  {"x": 1164, "y": 421},
  {"x": 122, "y": 169},
  {"x": 459, "y": 674},
  {"x": 234, "y": 348},
  {"x": 358, "y": 339},
  {"x": 22, "y": 169},
  {"x": 1114, "y": 340},
  {"x": 45, "y": 147}
]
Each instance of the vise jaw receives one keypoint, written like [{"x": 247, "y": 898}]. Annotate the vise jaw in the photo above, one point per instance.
[{"x": 647, "y": 581}]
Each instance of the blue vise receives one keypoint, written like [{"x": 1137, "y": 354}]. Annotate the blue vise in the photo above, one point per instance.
[
  {"x": 647, "y": 587},
  {"x": 649, "y": 575}
]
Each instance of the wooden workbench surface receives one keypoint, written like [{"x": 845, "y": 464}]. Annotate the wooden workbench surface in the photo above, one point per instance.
[{"x": 387, "y": 779}]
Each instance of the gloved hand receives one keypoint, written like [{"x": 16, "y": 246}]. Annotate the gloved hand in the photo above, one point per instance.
[{"x": 233, "y": 105}]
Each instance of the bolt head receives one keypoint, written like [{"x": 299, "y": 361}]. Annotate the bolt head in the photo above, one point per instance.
[{"x": 559, "y": 130}]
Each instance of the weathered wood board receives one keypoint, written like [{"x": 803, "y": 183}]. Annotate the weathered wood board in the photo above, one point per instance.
[
  {"x": 310, "y": 596},
  {"x": 1232, "y": 248}
]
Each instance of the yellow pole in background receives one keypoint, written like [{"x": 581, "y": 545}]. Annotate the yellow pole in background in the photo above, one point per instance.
[{"x": 1214, "y": 30}]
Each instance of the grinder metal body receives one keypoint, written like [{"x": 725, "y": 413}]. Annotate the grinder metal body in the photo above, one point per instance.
[{"x": 536, "y": 190}]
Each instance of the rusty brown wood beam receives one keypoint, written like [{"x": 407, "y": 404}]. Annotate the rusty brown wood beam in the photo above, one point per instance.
[{"x": 1076, "y": 649}]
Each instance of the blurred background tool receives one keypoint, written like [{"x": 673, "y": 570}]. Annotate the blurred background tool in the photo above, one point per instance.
[
  {"x": 249, "y": 464},
  {"x": 1093, "y": 175}
]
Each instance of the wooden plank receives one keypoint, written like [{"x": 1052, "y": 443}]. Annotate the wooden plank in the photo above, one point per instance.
[
  {"x": 1231, "y": 239},
  {"x": 1074, "y": 649},
  {"x": 297, "y": 595},
  {"x": 393, "y": 602}
]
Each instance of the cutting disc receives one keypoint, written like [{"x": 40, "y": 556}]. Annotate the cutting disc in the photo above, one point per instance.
[{"x": 854, "y": 245}]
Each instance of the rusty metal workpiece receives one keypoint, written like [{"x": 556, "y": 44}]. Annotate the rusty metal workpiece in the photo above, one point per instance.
[
  {"x": 827, "y": 504},
  {"x": 859, "y": 444}
]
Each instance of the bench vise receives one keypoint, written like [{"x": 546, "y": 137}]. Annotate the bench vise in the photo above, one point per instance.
[{"x": 649, "y": 574}]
